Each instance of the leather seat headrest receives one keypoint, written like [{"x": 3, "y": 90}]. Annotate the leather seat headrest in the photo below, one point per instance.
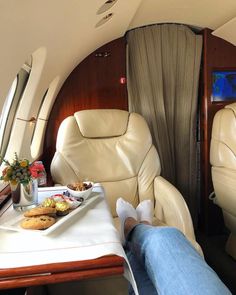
[
  {"x": 232, "y": 106},
  {"x": 98, "y": 123}
]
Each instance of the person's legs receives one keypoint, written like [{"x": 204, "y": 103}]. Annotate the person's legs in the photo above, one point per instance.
[
  {"x": 129, "y": 218},
  {"x": 164, "y": 261},
  {"x": 172, "y": 263},
  {"x": 143, "y": 282}
]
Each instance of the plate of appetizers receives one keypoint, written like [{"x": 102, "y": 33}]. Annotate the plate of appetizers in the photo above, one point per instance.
[{"x": 52, "y": 212}]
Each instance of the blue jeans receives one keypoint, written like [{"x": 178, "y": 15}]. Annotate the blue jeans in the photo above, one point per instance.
[{"x": 164, "y": 262}]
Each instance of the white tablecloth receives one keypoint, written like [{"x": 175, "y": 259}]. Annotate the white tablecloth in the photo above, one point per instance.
[{"x": 89, "y": 234}]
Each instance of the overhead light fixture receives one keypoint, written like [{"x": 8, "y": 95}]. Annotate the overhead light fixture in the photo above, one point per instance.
[
  {"x": 106, "y": 6},
  {"x": 104, "y": 20}
]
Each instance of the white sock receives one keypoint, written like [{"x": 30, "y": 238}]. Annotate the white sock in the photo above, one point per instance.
[
  {"x": 124, "y": 210},
  {"x": 145, "y": 211}
]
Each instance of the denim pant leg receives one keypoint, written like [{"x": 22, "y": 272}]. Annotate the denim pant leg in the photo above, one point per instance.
[
  {"x": 172, "y": 263},
  {"x": 143, "y": 282}
]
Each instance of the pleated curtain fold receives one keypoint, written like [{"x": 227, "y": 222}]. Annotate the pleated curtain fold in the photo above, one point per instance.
[{"x": 163, "y": 64}]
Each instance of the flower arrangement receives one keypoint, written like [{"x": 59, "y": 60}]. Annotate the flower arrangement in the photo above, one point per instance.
[{"x": 21, "y": 171}]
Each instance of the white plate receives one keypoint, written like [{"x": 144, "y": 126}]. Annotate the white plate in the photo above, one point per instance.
[{"x": 14, "y": 223}]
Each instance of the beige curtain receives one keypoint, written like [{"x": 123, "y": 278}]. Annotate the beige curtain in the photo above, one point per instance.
[{"x": 163, "y": 63}]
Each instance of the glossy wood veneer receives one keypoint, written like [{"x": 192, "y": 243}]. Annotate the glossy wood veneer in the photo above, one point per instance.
[
  {"x": 217, "y": 54},
  {"x": 94, "y": 84},
  {"x": 61, "y": 272}
]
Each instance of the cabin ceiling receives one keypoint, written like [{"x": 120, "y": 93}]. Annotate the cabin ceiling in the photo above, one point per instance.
[
  {"x": 66, "y": 30},
  {"x": 204, "y": 13}
]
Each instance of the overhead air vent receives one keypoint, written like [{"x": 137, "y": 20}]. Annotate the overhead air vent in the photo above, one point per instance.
[
  {"x": 106, "y": 6},
  {"x": 104, "y": 20}
]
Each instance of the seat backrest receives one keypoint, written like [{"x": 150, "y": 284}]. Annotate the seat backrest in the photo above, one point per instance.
[
  {"x": 112, "y": 147},
  {"x": 223, "y": 157}
]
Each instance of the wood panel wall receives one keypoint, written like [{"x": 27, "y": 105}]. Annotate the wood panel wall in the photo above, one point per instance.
[
  {"x": 217, "y": 53},
  {"x": 93, "y": 84}
]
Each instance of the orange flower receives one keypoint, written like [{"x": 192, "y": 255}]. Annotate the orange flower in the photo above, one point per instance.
[{"x": 24, "y": 163}]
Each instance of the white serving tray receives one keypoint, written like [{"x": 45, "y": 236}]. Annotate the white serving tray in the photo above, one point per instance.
[{"x": 14, "y": 223}]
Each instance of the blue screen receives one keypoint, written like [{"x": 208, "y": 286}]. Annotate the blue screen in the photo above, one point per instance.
[{"x": 224, "y": 85}]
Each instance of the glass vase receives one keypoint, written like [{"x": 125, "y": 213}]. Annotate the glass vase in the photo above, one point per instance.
[{"x": 24, "y": 196}]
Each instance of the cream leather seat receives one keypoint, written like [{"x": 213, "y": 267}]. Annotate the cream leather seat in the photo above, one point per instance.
[
  {"x": 114, "y": 148},
  {"x": 223, "y": 161}
]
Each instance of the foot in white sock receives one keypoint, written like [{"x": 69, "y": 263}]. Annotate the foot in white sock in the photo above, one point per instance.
[
  {"x": 145, "y": 211},
  {"x": 124, "y": 210}
]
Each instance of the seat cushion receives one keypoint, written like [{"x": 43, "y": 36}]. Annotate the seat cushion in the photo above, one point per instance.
[{"x": 223, "y": 142}]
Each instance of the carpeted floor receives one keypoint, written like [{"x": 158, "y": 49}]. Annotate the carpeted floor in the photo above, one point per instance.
[{"x": 215, "y": 255}]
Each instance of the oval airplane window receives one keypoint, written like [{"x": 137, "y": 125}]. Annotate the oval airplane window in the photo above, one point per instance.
[
  {"x": 5, "y": 112},
  {"x": 26, "y": 112},
  {"x": 11, "y": 105},
  {"x": 36, "y": 146},
  {"x": 33, "y": 135}
]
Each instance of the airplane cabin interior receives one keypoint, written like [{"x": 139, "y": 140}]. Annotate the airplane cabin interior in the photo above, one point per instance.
[{"x": 137, "y": 97}]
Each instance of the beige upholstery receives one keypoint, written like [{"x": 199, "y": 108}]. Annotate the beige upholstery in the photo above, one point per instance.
[
  {"x": 114, "y": 148},
  {"x": 223, "y": 161}
]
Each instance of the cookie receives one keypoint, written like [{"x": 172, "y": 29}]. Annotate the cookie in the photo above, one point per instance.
[
  {"x": 40, "y": 211},
  {"x": 38, "y": 222}
]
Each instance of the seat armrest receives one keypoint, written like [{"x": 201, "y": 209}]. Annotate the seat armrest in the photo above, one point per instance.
[{"x": 171, "y": 208}]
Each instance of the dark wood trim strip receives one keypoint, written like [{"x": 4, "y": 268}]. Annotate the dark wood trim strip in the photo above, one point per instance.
[
  {"x": 60, "y": 277},
  {"x": 102, "y": 262}
]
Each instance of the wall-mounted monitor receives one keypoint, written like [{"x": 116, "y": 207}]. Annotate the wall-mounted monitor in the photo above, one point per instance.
[{"x": 223, "y": 85}]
